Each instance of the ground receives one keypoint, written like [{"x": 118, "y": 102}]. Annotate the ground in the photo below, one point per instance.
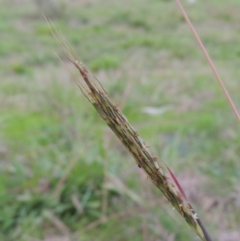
[{"x": 64, "y": 175}]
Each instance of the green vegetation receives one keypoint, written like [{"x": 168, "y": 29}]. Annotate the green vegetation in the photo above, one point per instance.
[{"x": 61, "y": 168}]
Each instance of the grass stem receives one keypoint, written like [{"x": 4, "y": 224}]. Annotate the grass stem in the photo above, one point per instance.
[{"x": 224, "y": 89}]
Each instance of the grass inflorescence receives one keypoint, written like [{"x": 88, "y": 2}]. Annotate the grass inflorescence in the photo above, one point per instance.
[{"x": 160, "y": 174}]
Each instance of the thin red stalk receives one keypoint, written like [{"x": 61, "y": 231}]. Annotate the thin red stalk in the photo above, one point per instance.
[{"x": 209, "y": 60}]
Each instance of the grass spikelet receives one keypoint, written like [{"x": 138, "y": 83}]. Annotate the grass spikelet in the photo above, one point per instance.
[{"x": 157, "y": 171}]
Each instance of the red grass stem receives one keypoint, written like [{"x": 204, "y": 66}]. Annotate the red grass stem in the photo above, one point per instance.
[{"x": 209, "y": 60}]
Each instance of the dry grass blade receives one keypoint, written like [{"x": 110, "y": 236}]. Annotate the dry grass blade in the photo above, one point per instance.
[
  {"x": 160, "y": 175},
  {"x": 118, "y": 215}
]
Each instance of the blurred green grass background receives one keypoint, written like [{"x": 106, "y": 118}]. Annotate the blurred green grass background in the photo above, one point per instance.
[{"x": 63, "y": 174}]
